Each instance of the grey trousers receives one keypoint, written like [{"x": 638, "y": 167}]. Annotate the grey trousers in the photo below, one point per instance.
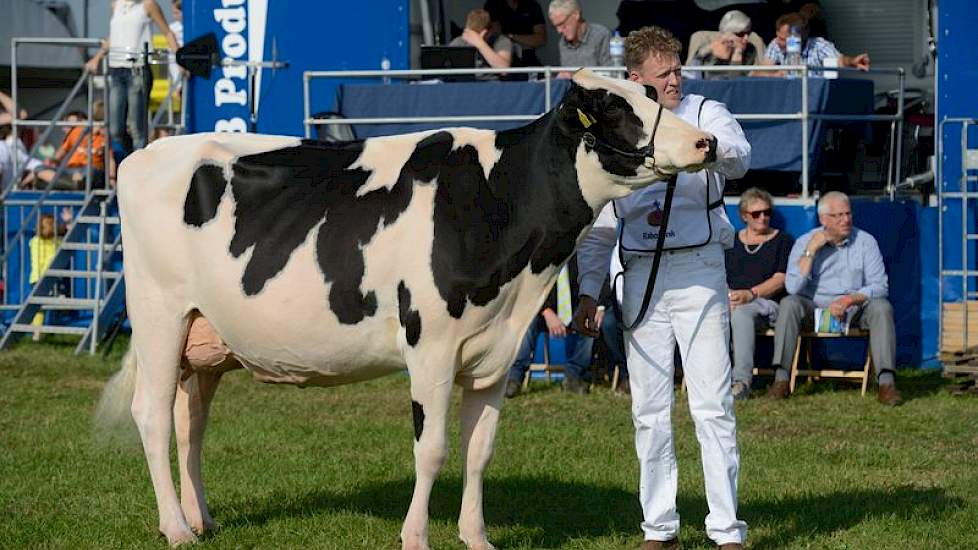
[
  {"x": 796, "y": 314},
  {"x": 745, "y": 321}
]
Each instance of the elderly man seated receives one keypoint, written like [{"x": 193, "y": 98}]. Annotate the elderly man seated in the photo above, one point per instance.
[
  {"x": 582, "y": 43},
  {"x": 837, "y": 267}
]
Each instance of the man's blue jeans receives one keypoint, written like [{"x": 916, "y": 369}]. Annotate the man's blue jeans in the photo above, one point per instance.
[{"x": 128, "y": 101}]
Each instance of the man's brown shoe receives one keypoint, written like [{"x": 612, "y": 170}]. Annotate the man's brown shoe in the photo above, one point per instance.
[
  {"x": 889, "y": 395},
  {"x": 778, "y": 390},
  {"x": 661, "y": 544}
]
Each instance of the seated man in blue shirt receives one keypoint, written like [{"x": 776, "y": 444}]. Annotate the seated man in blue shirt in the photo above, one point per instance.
[
  {"x": 815, "y": 50},
  {"x": 836, "y": 267}
]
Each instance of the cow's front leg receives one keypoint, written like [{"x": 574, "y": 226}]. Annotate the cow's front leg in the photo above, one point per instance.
[
  {"x": 190, "y": 411},
  {"x": 479, "y": 417},
  {"x": 430, "y": 397}
]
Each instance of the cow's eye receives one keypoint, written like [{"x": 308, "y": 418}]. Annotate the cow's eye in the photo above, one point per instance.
[{"x": 612, "y": 111}]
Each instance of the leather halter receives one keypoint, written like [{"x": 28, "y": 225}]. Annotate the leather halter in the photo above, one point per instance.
[{"x": 646, "y": 154}]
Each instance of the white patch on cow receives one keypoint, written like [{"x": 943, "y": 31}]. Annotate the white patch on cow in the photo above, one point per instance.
[
  {"x": 384, "y": 157},
  {"x": 485, "y": 145}
]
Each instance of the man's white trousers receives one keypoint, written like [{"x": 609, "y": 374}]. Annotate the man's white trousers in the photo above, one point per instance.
[{"x": 689, "y": 307}]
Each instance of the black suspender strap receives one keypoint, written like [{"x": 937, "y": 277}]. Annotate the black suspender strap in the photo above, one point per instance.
[{"x": 659, "y": 245}]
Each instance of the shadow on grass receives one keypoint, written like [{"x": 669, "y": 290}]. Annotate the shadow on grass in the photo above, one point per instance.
[{"x": 552, "y": 512}]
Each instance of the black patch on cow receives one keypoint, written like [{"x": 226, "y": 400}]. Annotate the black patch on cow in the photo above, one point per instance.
[
  {"x": 417, "y": 411},
  {"x": 206, "y": 189},
  {"x": 529, "y": 211},
  {"x": 410, "y": 318},
  {"x": 617, "y": 125},
  {"x": 283, "y": 194}
]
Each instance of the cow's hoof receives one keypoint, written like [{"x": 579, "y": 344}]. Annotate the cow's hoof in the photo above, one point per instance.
[
  {"x": 416, "y": 542},
  {"x": 476, "y": 543},
  {"x": 179, "y": 536},
  {"x": 205, "y": 527}
]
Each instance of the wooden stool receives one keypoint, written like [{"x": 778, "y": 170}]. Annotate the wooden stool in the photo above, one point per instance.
[{"x": 805, "y": 340}]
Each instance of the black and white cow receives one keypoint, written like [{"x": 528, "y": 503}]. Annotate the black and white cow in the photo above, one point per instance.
[{"x": 323, "y": 264}]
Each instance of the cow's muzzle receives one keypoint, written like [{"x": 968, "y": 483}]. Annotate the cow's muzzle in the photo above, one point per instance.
[{"x": 708, "y": 146}]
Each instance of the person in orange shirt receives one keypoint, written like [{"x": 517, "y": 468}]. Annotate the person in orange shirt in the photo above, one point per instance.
[{"x": 73, "y": 175}]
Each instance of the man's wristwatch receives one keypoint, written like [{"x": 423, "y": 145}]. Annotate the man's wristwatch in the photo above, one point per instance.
[{"x": 808, "y": 254}]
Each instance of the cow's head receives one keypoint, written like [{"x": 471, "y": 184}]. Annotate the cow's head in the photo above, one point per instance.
[{"x": 633, "y": 140}]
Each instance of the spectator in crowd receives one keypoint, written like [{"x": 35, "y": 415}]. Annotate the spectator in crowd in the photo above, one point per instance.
[
  {"x": 522, "y": 22},
  {"x": 130, "y": 80},
  {"x": 731, "y": 46},
  {"x": 10, "y": 147},
  {"x": 43, "y": 247},
  {"x": 582, "y": 44},
  {"x": 840, "y": 268},
  {"x": 756, "y": 267},
  {"x": 812, "y": 12},
  {"x": 176, "y": 73},
  {"x": 555, "y": 316},
  {"x": 495, "y": 50},
  {"x": 689, "y": 305},
  {"x": 814, "y": 50},
  {"x": 76, "y": 168},
  {"x": 612, "y": 336}
]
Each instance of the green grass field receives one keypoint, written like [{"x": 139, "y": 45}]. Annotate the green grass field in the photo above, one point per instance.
[{"x": 333, "y": 468}]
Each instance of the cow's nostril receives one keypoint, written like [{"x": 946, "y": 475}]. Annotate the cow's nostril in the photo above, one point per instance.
[{"x": 709, "y": 148}]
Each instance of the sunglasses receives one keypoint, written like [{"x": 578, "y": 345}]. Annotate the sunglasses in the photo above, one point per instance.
[{"x": 758, "y": 213}]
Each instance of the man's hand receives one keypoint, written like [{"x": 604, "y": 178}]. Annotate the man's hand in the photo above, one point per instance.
[
  {"x": 474, "y": 38},
  {"x": 861, "y": 62},
  {"x": 818, "y": 240},
  {"x": 838, "y": 307},
  {"x": 554, "y": 326},
  {"x": 740, "y": 297},
  {"x": 722, "y": 46},
  {"x": 586, "y": 317}
]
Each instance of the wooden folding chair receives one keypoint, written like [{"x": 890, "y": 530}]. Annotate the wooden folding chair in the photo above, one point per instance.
[
  {"x": 546, "y": 366},
  {"x": 805, "y": 341}
]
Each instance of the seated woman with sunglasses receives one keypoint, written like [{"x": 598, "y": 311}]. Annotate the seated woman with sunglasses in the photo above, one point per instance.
[
  {"x": 730, "y": 46},
  {"x": 756, "y": 267}
]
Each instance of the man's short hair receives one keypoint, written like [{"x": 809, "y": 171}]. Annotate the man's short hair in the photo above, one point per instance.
[
  {"x": 754, "y": 194},
  {"x": 649, "y": 41},
  {"x": 823, "y": 202},
  {"x": 734, "y": 21},
  {"x": 477, "y": 20},
  {"x": 792, "y": 20},
  {"x": 563, "y": 6}
]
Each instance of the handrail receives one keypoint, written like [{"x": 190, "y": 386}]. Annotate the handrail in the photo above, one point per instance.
[{"x": 804, "y": 115}]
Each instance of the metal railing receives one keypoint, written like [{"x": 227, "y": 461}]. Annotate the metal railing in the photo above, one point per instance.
[{"x": 804, "y": 115}]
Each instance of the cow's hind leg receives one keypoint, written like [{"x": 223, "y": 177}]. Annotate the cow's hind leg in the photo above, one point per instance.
[
  {"x": 431, "y": 391},
  {"x": 158, "y": 338},
  {"x": 190, "y": 411},
  {"x": 479, "y": 418}
]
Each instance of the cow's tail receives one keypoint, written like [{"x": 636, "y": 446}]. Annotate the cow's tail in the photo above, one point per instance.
[{"x": 113, "y": 419}]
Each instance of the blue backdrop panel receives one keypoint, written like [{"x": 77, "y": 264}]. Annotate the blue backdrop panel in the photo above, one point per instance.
[
  {"x": 957, "y": 80},
  {"x": 776, "y": 144},
  {"x": 306, "y": 35}
]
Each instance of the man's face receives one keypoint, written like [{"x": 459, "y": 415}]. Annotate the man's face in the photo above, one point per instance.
[
  {"x": 662, "y": 72},
  {"x": 837, "y": 220},
  {"x": 566, "y": 24},
  {"x": 781, "y": 37}
]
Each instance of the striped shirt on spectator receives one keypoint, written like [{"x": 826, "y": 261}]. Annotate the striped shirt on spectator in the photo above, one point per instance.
[{"x": 813, "y": 52}]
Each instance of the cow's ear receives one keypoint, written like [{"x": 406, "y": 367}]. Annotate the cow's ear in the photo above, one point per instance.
[{"x": 576, "y": 111}]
